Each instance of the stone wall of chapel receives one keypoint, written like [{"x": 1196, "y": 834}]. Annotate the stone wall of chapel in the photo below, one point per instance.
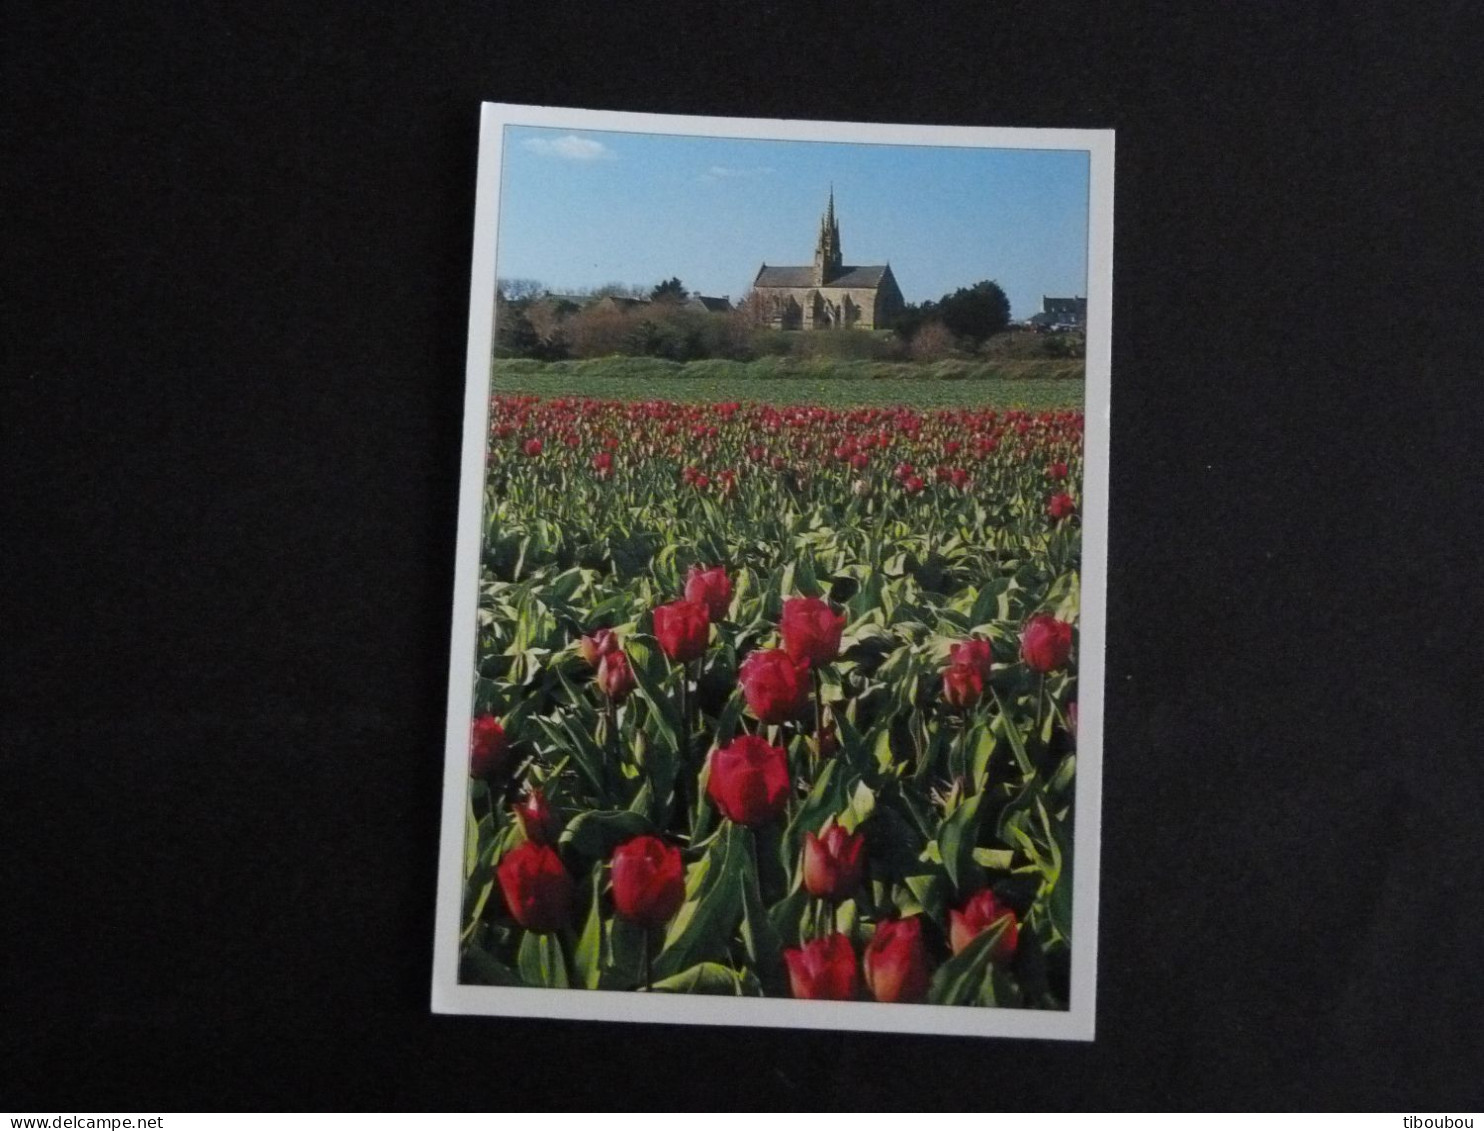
[{"x": 868, "y": 313}]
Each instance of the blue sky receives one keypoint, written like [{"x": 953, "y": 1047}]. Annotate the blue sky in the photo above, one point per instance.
[{"x": 580, "y": 208}]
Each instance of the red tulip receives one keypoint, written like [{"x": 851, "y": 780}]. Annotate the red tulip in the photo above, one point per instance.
[
  {"x": 973, "y": 653},
  {"x": 603, "y": 465},
  {"x": 712, "y": 588},
  {"x": 1061, "y": 506},
  {"x": 536, "y": 887},
  {"x": 532, "y": 447},
  {"x": 648, "y": 881},
  {"x": 487, "y": 747},
  {"x": 1057, "y": 470},
  {"x": 1045, "y": 643},
  {"x": 615, "y": 676},
  {"x": 811, "y": 630},
  {"x": 537, "y": 819},
  {"x": 912, "y": 484},
  {"x": 981, "y": 912},
  {"x": 683, "y": 629},
  {"x": 963, "y": 686},
  {"x": 776, "y": 688},
  {"x": 749, "y": 780},
  {"x": 833, "y": 864},
  {"x": 593, "y": 648},
  {"x": 823, "y": 970},
  {"x": 896, "y": 962}
]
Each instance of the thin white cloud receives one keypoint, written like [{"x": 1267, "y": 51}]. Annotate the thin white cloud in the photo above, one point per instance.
[
  {"x": 724, "y": 172},
  {"x": 570, "y": 148}
]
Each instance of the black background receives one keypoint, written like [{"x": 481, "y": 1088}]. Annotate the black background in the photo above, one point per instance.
[{"x": 238, "y": 273}]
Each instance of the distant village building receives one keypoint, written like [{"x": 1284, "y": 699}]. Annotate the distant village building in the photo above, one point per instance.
[
  {"x": 703, "y": 304},
  {"x": 1070, "y": 312},
  {"x": 620, "y": 302},
  {"x": 828, "y": 295},
  {"x": 706, "y": 304}
]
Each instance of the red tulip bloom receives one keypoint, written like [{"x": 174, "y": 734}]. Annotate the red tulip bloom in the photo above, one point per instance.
[
  {"x": 896, "y": 962},
  {"x": 913, "y": 484},
  {"x": 536, "y": 887},
  {"x": 973, "y": 653},
  {"x": 823, "y": 970},
  {"x": 904, "y": 471},
  {"x": 683, "y": 629},
  {"x": 776, "y": 688},
  {"x": 593, "y": 648},
  {"x": 532, "y": 447},
  {"x": 537, "y": 819},
  {"x": 648, "y": 881},
  {"x": 749, "y": 780},
  {"x": 1061, "y": 506},
  {"x": 487, "y": 747},
  {"x": 603, "y": 465},
  {"x": 980, "y": 913},
  {"x": 963, "y": 686},
  {"x": 712, "y": 588},
  {"x": 1057, "y": 470},
  {"x": 615, "y": 676},
  {"x": 1045, "y": 643},
  {"x": 833, "y": 864},
  {"x": 811, "y": 630}
]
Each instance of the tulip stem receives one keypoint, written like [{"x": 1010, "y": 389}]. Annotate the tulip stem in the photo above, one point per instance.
[
  {"x": 646, "y": 972},
  {"x": 818, "y": 723},
  {"x": 1040, "y": 704},
  {"x": 695, "y": 707},
  {"x": 962, "y": 769}
]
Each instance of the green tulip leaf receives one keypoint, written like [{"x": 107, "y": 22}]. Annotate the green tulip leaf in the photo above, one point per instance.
[
  {"x": 711, "y": 978},
  {"x": 706, "y": 922},
  {"x": 541, "y": 961},
  {"x": 967, "y": 976},
  {"x": 597, "y": 832},
  {"x": 480, "y": 968}
]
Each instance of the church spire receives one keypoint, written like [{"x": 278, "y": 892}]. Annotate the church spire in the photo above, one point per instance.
[{"x": 827, "y": 258}]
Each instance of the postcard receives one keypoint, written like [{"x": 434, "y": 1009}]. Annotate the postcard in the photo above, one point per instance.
[{"x": 776, "y": 677}]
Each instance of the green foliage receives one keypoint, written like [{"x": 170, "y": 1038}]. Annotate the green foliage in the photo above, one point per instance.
[
  {"x": 948, "y": 801},
  {"x": 945, "y": 384},
  {"x": 975, "y": 312}
]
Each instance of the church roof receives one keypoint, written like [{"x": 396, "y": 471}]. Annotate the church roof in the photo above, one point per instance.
[
  {"x": 804, "y": 277},
  {"x": 859, "y": 277},
  {"x": 785, "y": 277}
]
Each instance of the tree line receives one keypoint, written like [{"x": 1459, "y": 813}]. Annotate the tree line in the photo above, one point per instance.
[{"x": 532, "y": 322}]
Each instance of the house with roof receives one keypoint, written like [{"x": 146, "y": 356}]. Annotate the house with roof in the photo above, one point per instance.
[
  {"x": 1063, "y": 312},
  {"x": 828, "y": 294},
  {"x": 707, "y": 304}
]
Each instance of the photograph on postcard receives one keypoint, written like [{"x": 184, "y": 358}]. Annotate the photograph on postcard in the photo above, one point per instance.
[{"x": 773, "y": 662}]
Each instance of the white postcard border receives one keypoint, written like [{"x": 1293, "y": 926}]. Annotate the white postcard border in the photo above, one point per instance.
[{"x": 1076, "y": 1022}]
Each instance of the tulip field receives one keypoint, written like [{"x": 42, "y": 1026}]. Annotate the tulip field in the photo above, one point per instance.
[{"x": 775, "y": 700}]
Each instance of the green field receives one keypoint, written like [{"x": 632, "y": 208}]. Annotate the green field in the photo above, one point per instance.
[{"x": 1031, "y": 384}]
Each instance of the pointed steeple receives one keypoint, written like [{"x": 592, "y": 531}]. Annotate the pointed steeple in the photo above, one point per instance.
[{"x": 827, "y": 258}]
